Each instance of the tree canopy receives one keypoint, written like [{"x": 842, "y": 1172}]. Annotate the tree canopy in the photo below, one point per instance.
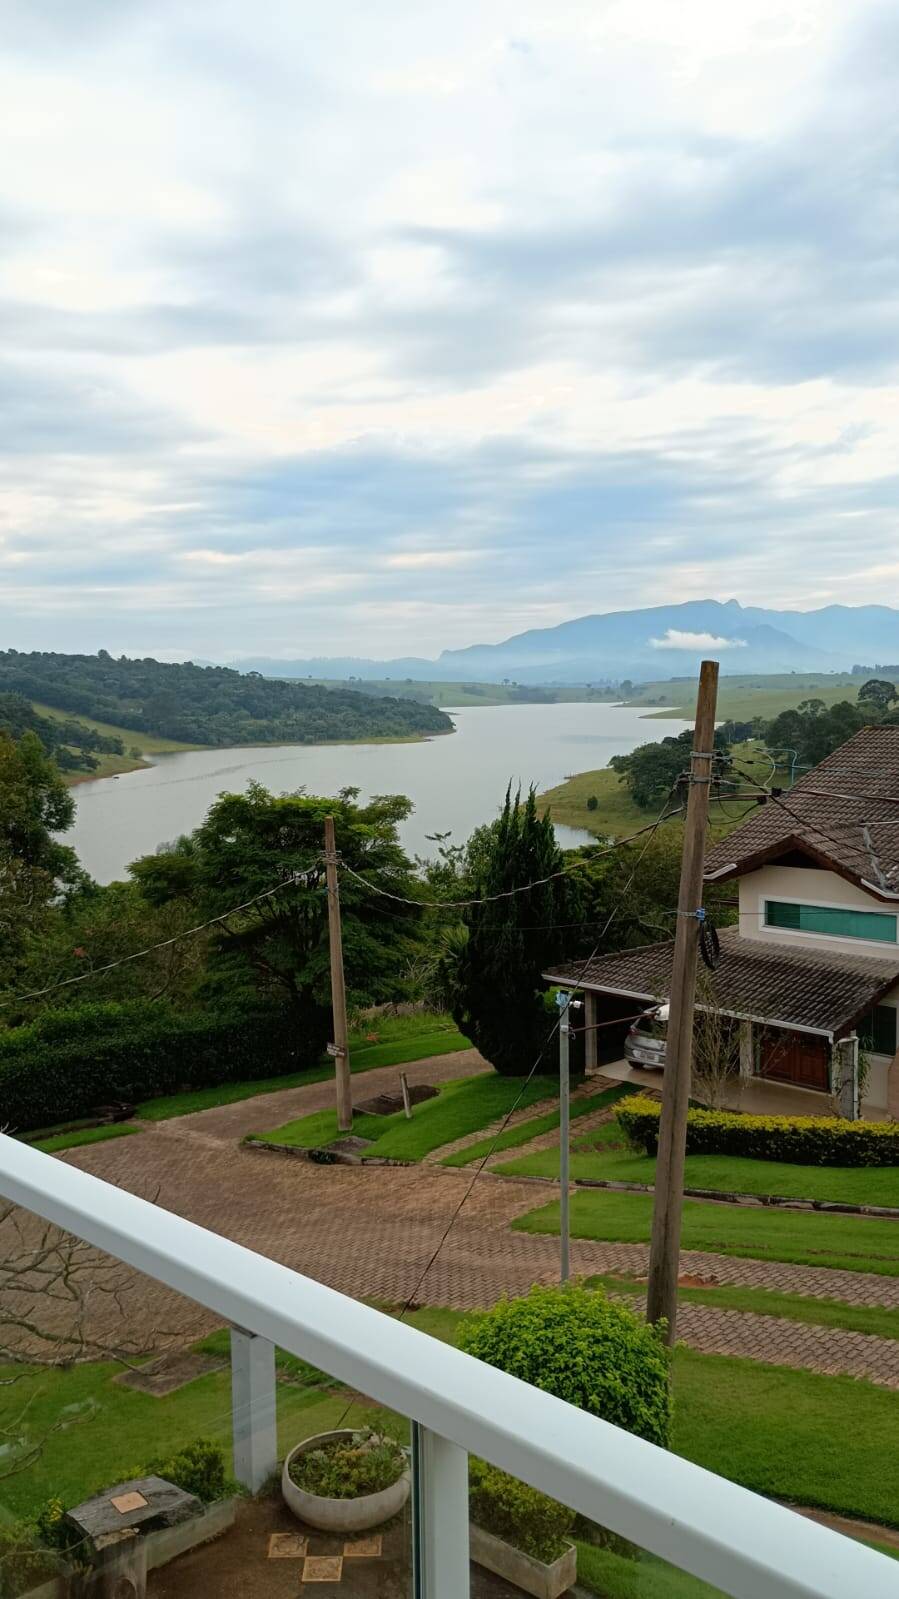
[
  {"x": 36, "y": 871},
  {"x": 278, "y": 948},
  {"x": 210, "y": 704},
  {"x": 496, "y": 987},
  {"x": 73, "y": 745}
]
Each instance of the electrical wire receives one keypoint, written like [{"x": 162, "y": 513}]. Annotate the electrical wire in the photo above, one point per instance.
[
  {"x": 164, "y": 943},
  {"x": 524, "y": 888},
  {"x": 412, "y": 1299}
]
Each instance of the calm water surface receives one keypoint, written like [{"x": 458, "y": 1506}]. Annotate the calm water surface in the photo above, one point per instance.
[{"x": 455, "y": 782}]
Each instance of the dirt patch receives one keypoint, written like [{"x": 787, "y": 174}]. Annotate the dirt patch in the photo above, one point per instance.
[
  {"x": 168, "y": 1373},
  {"x": 389, "y": 1104},
  {"x": 697, "y": 1282},
  {"x": 351, "y": 1145}
]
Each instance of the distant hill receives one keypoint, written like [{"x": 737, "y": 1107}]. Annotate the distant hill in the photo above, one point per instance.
[
  {"x": 645, "y": 645},
  {"x": 210, "y": 705}
]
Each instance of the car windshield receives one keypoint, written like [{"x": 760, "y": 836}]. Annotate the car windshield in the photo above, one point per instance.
[{"x": 650, "y": 1027}]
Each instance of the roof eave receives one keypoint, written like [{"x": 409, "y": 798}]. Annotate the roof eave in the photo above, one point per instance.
[{"x": 753, "y": 861}]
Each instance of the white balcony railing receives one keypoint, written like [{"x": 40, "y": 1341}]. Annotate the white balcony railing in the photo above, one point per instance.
[{"x": 707, "y": 1526}]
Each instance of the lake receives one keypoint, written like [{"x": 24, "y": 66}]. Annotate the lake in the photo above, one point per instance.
[{"x": 455, "y": 782}]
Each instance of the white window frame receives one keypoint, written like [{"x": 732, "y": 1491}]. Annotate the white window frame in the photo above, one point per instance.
[{"x": 843, "y": 939}]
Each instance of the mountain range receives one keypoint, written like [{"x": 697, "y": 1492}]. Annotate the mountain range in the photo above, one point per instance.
[{"x": 644, "y": 645}]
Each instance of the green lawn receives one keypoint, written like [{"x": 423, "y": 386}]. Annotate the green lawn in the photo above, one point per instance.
[
  {"x": 614, "y": 1576},
  {"x": 743, "y": 697},
  {"x": 605, "y": 1154},
  {"x": 616, "y": 814},
  {"x": 461, "y": 1107},
  {"x": 795, "y": 1435},
  {"x": 534, "y": 1126},
  {"x": 848, "y": 1243},
  {"x": 873, "y": 1319},
  {"x": 400, "y": 1046},
  {"x": 57, "y": 1142},
  {"x": 110, "y": 765}
]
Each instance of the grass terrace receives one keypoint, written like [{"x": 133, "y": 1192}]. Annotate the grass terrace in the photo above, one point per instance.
[
  {"x": 605, "y": 1155},
  {"x": 459, "y": 1108},
  {"x": 844, "y": 1243}
]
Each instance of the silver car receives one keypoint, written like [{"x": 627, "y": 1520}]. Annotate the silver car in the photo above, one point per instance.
[{"x": 647, "y": 1039}]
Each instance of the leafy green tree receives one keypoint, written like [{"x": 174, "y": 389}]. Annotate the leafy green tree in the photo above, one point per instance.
[
  {"x": 278, "y": 947},
  {"x": 37, "y": 873},
  {"x": 652, "y": 770},
  {"x": 815, "y": 730},
  {"x": 878, "y": 691},
  {"x": 104, "y": 924},
  {"x": 496, "y": 990}
]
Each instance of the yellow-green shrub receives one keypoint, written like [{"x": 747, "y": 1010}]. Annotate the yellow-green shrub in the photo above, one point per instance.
[{"x": 802, "y": 1140}]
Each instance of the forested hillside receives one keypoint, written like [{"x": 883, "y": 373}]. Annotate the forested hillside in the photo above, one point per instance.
[
  {"x": 209, "y": 704},
  {"x": 73, "y": 745}
]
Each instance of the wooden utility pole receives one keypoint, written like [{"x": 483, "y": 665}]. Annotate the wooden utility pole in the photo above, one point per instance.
[
  {"x": 669, "y": 1181},
  {"x": 340, "y": 1047}
]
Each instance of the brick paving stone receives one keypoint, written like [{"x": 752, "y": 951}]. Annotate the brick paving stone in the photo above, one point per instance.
[
  {"x": 371, "y": 1232},
  {"x": 789, "y": 1343}
]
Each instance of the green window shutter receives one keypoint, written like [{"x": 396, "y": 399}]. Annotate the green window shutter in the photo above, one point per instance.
[
  {"x": 777, "y": 914},
  {"x": 877, "y": 1030},
  {"x": 831, "y": 920}
]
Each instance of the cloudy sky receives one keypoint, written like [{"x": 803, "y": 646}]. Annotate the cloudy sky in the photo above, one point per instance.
[{"x": 377, "y": 328}]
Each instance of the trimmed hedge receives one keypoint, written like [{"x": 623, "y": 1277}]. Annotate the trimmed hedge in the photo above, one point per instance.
[
  {"x": 799, "y": 1140},
  {"x": 68, "y": 1062},
  {"x": 589, "y": 1350},
  {"x": 512, "y": 1510}
]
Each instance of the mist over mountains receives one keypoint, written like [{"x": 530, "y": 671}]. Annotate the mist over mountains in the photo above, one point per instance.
[{"x": 657, "y": 642}]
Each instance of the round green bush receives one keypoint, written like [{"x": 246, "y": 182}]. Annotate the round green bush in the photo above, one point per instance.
[{"x": 576, "y": 1343}]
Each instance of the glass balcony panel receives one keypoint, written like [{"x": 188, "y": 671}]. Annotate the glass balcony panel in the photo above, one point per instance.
[
  {"x": 108, "y": 1380},
  {"x": 519, "y": 1535}
]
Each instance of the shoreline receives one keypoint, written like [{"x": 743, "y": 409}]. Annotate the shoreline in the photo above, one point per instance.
[{"x": 76, "y": 779}]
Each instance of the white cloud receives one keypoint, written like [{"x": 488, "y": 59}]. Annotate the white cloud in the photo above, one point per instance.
[
  {"x": 674, "y": 639},
  {"x": 541, "y": 299}
]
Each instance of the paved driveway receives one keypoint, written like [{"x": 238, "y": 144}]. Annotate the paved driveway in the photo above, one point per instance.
[{"x": 372, "y": 1232}]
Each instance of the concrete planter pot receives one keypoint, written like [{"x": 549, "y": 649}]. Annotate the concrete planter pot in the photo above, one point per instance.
[
  {"x": 167, "y": 1543},
  {"x": 340, "y": 1515},
  {"x": 523, "y": 1571}
]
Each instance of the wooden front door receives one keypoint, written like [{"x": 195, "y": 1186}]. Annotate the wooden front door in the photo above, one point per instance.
[{"x": 798, "y": 1058}]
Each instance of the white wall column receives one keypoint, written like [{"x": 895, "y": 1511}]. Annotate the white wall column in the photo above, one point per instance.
[
  {"x": 747, "y": 1061},
  {"x": 439, "y": 1517},
  {"x": 253, "y": 1408},
  {"x": 590, "y": 1037}
]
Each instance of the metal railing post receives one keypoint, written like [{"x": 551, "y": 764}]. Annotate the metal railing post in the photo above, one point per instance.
[
  {"x": 439, "y": 1517},
  {"x": 253, "y": 1408}
]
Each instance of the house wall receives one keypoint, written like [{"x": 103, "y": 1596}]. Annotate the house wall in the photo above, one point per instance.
[
  {"x": 814, "y": 886},
  {"x": 811, "y": 886}
]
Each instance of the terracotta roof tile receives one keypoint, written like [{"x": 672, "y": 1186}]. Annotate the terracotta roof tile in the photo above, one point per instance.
[
  {"x": 811, "y": 989},
  {"x": 845, "y": 813}
]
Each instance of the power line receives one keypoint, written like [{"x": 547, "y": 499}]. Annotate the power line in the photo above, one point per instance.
[
  {"x": 164, "y": 943},
  {"x": 412, "y": 1298},
  {"x": 523, "y": 888},
  {"x": 663, "y": 816}
]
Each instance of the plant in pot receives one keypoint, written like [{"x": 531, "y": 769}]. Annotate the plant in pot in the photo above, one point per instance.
[
  {"x": 346, "y": 1481},
  {"x": 519, "y": 1533}
]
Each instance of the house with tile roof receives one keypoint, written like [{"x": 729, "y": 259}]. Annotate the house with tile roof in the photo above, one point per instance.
[{"x": 810, "y": 974}]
